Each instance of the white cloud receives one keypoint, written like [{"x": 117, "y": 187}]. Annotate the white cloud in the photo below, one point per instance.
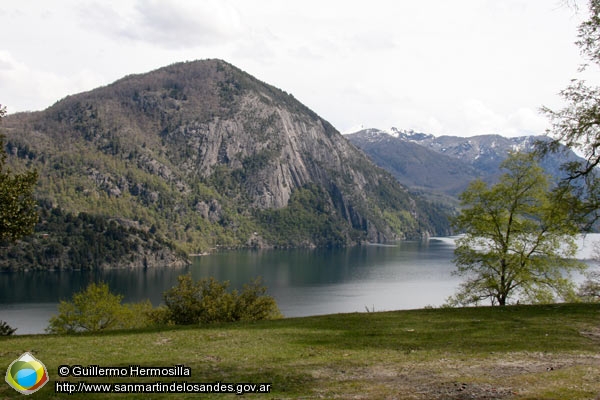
[
  {"x": 168, "y": 23},
  {"x": 26, "y": 89},
  {"x": 479, "y": 118},
  {"x": 528, "y": 121},
  {"x": 463, "y": 67}
]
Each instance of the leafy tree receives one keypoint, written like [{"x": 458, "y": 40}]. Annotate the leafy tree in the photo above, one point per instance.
[
  {"x": 97, "y": 309},
  {"x": 578, "y": 124},
  {"x": 518, "y": 238},
  {"x": 17, "y": 205},
  {"x": 207, "y": 300}
]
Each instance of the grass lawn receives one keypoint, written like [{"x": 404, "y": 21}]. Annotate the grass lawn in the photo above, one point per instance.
[{"x": 517, "y": 352}]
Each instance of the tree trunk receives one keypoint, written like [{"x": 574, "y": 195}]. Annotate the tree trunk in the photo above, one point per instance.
[{"x": 502, "y": 300}]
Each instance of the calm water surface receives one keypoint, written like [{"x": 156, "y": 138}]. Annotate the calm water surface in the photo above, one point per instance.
[{"x": 304, "y": 282}]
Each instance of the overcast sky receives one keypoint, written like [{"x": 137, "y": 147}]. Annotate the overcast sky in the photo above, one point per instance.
[{"x": 460, "y": 67}]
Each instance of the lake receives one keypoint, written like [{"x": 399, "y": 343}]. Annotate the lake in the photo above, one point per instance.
[{"x": 304, "y": 282}]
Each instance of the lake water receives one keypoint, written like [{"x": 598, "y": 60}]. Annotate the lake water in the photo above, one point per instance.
[{"x": 304, "y": 282}]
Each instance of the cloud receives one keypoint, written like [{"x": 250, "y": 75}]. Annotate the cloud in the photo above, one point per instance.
[
  {"x": 479, "y": 118},
  {"x": 442, "y": 67},
  {"x": 31, "y": 89},
  {"x": 171, "y": 24},
  {"x": 528, "y": 121},
  {"x": 372, "y": 40}
]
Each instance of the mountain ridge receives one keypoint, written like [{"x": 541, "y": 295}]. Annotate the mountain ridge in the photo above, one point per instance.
[
  {"x": 446, "y": 164},
  {"x": 206, "y": 156}
]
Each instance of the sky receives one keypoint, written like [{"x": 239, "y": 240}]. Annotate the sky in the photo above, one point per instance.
[{"x": 461, "y": 67}]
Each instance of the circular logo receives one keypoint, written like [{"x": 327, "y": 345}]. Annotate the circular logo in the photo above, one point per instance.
[{"x": 26, "y": 374}]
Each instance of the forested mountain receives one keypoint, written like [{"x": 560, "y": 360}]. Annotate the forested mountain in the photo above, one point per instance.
[
  {"x": 446, "y": 164},
  {"x": 83, "y": 241},
  {"x": 203, "y": 155}
]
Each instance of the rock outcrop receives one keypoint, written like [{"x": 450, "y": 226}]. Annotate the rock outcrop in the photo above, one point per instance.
[{"x": 208, "y": 156}]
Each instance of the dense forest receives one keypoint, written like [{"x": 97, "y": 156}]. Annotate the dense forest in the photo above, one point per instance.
[{"x": 63, "y": 240}]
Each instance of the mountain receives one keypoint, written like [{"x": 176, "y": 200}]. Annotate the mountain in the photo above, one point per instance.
[
  {"x": 202, "y": 155},
  {"x": 446, "y": 164},
  {"x": 413, "y": 164}
]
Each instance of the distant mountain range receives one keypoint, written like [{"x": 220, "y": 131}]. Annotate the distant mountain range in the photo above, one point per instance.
[
  {"x": 198, "y": 156},
  {"x": 446, "y": 164}
]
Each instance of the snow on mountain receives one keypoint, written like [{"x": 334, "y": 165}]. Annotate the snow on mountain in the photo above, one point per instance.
[
  {"x": 408, "y": 135},
  {"x": 447, "y": 163}
]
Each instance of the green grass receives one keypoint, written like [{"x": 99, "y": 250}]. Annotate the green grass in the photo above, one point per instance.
[{"x": 521, "y": 352}]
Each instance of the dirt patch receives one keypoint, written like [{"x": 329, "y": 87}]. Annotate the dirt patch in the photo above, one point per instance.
[
  {"x": 454, "y": 379},
  {"x": 417, "y": 383},
  {"x": 593, "y": 334},
  {"x": 460, "y": 391},
  {"x": 162, "y": 341},
  {"x": 512, "y": 364}
]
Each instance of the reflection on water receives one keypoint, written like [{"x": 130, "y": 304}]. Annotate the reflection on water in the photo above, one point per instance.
[
  {"x": 311, "y": 282},
  {"x": 304, "y": 282}
]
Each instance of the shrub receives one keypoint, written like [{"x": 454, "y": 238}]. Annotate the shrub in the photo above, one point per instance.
[
  {"x": 252, "y": 304},
  {"x": 190, "y": 302},
  {"x": 97, "y": 309},
  {"x": 6, "y": 329},
  {"x": 207, "y": 301},
  {"x": 135, "y": 315}
]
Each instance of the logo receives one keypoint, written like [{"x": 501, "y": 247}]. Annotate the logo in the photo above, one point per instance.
[{"x": 26, "y": 374}]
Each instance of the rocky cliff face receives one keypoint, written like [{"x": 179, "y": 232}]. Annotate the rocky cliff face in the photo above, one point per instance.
[{"x": 205, "y": 155}]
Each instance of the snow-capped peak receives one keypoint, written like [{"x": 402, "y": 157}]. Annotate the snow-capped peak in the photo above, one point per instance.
[{"x": 408, "y": 134}]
